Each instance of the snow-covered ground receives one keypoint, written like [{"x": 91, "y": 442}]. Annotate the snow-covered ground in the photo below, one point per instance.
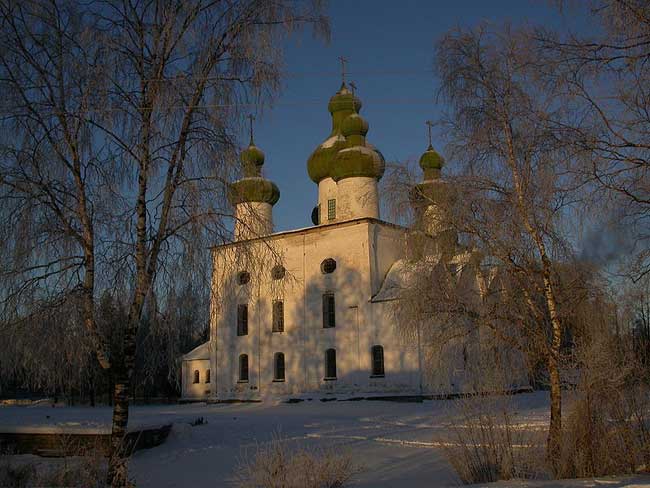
[{"x": 396, "y": 444}]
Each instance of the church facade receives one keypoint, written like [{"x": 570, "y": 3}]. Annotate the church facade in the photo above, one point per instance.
[{"x": 311, "y": 311}]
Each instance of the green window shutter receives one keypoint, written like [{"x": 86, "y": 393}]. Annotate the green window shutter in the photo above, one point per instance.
[{"x": 331, "y": 209}]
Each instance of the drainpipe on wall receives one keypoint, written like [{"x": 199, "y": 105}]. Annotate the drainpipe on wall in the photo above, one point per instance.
[
  {"x": 420, "y": 359},
  {"x": 259, "y": 343},
  {"x": 304, "y": 315}
]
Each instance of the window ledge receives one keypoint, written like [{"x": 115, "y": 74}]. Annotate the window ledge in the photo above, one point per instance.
[
  {"x": 278, "y": 381},
  {"x": 277, "y": 332},
  {"x": 242, "y": 381},
  {"x": 377, "y": 375},
  {"x": 328, "y": 378}
]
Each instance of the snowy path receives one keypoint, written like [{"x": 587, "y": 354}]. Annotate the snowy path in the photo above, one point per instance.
[{"x": 398, "y": 444}]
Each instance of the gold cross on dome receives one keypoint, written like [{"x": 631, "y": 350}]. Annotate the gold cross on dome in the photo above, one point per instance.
[
  {"x": 429, "y": 125},
  {"x": 343, "y": 62},
  {"x": 251, "y": 117}
]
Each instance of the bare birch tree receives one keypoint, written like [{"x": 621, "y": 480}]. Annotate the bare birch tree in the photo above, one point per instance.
[
  {"x": 514, "y": 196},
  {"x": 117, "y": 141},
  {"x": 606, "y": 73}
]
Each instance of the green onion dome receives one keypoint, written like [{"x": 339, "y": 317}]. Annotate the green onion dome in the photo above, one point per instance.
[
  {"x": 253, "y": 187},
  {"x": 354, "y": 125},
  {"x": 433, "y": 190},
  {"x": 343, "y": 100},
  {"x": 358, "y": 158},
  {"x": 429, "y": 192},
  {"x": 342, "y": 104},
  {"x": 252, "y": 160},
  {"x": 431, "y": 163}
]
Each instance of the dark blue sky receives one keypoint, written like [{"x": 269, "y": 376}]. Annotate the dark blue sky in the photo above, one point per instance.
[{"x": 389, "y": 45}]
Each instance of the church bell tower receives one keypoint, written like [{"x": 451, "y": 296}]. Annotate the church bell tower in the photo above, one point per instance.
[{"x": 253, "y": 196}]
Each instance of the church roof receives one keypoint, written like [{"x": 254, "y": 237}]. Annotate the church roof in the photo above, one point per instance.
[
  {"x": 400, "y": 277},
  {"x": 403, "y": 273},
  {"x": 199, "y": 352},
  {"x": 313, "y": 229}
]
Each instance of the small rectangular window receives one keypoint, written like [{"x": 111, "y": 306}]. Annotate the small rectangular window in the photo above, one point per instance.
[
  {"x": 243, "y": 368},
  {"x": 329, "y": 311},
  {"x": 377, "y": 361},
  {"x": 330, "y": 364},
  {"x": 331, "y": 209},
  {"x": 242, "y": 320},
  {"x": 207, "y": 376},
  {"x": 278, "y": 373},
  {"x": 278, "y": 316}
]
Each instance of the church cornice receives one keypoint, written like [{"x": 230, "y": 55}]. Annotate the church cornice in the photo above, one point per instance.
[{"x": 315, "y": 229}]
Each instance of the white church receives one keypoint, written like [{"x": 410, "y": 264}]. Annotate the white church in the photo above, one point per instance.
[{"x": 311, "y": 311}]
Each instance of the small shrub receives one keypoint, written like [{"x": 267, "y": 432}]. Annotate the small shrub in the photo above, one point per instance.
[
  {"x": 86, "y": 469},
  {"x": 79, "y": 472},
  {"x": 274, "y": 465},
  {"x": 487, "y": 444},
  {"x": 87, "y": 472},
  {"x": 16, "y": 475},
  {"x": 607, "y": 431}
]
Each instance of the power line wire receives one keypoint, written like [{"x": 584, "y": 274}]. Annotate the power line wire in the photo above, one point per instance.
[
  {"x": 293, "y": 74},
  {"x": 305, "y": 103}
]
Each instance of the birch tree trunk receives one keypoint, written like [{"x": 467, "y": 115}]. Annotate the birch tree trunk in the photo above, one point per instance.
[
  {"x": 105, "y": 96},
  {"x": 503, "y": 128}
]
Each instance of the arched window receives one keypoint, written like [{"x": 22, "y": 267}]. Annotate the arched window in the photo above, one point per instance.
[
  {"x": 243, "y": 277},
  {"x": 377, "y": 361},
  {"x": 278, "y": 272},
  {"x": 278, "y": 316},
  {"x": 207, "y": 376},
  {"x": 242, "y": 319},
  {"x": 197, "y": 378},
  {"x": 243, "y": 368},
  {"x": 327, "y": 266},
  {"x": 330, "y": 364},
  {"x": 278, "y": 366},
  {"x": 329, "y": 310}
]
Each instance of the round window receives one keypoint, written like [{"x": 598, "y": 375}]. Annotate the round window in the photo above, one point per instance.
[
  {"x": 277, "y": 273},
  {"x": 243, "y": 277},
  {"x": 328, "y": 266}
]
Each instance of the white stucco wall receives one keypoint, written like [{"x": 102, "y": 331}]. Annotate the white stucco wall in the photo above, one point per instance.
[
  {"x": 200, "y": 390},
  {"x": 358, "y": 198},
  {"x": 253, "y": 219},
  {"x": 364, "y": 250},
  {"x": 327, "y": 190},
  {"x": 360, "y": 324}
]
